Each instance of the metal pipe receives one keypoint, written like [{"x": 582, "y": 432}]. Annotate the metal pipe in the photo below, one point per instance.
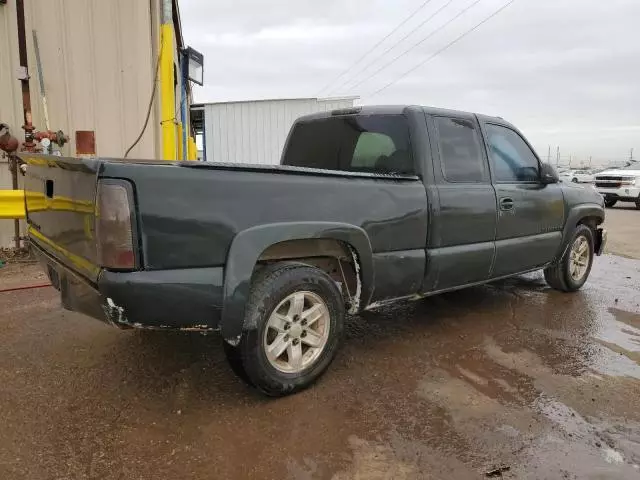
[
  {"x": 24, "y": 76},
  {"x": 183, "y": 105},
  {"x": 167, "y": 12},
  {"x": 204, "y": 135},
  {"x": 26, "y": 105},
  {"x": 45, "y": 108}
]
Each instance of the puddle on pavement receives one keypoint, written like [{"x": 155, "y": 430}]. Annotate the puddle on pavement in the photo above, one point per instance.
[
  {"x": 579, "y": 448},
  {"x": 623, "y": 330},
  {"x": 619, "y": 334},
  {"x": 510, "y": 374}
]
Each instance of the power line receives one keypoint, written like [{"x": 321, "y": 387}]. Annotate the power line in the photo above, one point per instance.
[
  {"x": 424, "y": 4},
  {"x": 394, "y": 45},
  {"x": 450, "y": 44},
  {"x": 416, "y": 45}
]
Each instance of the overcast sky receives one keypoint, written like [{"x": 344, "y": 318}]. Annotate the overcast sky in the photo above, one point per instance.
[{"x": 567, "y": 72}]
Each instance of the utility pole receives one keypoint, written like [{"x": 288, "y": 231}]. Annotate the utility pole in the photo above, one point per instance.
[
  {"x": 590, "y": 160},
  {"x": 631, "y": 155},
  {"x": 549, "y": 155},
  {"x": 558, "y": 156}
]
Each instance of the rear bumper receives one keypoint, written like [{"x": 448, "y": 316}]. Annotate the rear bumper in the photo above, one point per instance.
[{"x": 189, "y": 300}]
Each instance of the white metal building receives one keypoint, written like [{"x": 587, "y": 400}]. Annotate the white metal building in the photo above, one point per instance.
[{"x": 255, "y": 131}]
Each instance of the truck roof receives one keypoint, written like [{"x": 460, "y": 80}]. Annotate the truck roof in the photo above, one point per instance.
[{"x": 397, "y": 110}]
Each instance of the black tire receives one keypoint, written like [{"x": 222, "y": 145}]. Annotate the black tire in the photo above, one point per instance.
[
  {"x": 610, "y": 202},
  {"x": 235, "y": 362},
  {"x": 638, "y": 204},
  {"x": 269, "y": 288},
  {"x": 574, "y": 180},
  {"x": 558, "y": 276}
]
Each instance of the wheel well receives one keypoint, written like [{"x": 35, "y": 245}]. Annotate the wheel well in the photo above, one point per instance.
[
  {"x": 334, "y": 257},
  {"x": 591, "y": 222}
]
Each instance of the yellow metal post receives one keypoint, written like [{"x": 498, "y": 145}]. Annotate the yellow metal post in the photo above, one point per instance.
[
  {"x": 180, "y": 154},
  {"x": 167, "y": 87},
  {"x": 192, "y": 149}
]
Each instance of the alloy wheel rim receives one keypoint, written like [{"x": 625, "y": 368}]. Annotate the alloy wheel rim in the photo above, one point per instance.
[
  {"x": 297, "y": 332},
  {"x": 579, "y": 258}
]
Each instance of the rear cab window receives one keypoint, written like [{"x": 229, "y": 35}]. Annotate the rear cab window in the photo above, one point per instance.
[{"x": 352, "y": 143}]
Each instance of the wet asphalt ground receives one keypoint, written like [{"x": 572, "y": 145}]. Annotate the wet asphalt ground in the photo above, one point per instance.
[{"x": 513, "y": 379}]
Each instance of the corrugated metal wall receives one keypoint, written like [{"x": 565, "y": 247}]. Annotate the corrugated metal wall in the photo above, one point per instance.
[
  {"x": 98, "y": 59},
  {"x": 98, "y": 68},
  {"x": 10, "y": 93},
  {"x": 10, "y": 100},
  {"x": 255, "y": 131}
]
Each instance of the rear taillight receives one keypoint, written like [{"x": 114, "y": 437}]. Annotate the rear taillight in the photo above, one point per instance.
[{"x": 114, "y": 225}]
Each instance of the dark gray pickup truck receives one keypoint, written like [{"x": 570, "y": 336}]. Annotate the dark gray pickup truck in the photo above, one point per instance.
[{"x": 370, "y": 205}]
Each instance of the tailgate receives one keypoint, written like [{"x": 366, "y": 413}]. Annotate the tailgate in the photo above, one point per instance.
[{"x": 60, "y": 203}]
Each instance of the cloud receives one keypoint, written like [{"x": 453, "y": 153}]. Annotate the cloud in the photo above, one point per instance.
[{"x": 565, "y": 71}]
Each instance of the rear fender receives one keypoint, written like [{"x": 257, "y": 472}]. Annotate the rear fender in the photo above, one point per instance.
[
  {"x": 249, "y": 244},
  {"x": 573, "y": 218}
]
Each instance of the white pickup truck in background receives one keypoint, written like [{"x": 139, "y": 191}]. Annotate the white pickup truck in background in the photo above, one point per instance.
[{"x": 620, "y": 185}]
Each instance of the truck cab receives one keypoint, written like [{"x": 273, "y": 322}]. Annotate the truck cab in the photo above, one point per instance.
[{"x": 487, "y": 200}]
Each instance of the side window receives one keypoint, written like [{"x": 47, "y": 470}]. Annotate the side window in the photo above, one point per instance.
[
  {"x": 460, "y": 151},
  {"x": 511, "y": 158}
]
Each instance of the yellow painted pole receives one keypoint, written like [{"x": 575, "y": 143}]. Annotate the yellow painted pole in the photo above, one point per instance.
[
  {"x": 192, "y": 149},
  {"x": 167, "y": 88},
  {"x": 180, "y": 154}
]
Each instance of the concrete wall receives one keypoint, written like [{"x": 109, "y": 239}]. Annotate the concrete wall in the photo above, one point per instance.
[{"x": 255, "y": 131}]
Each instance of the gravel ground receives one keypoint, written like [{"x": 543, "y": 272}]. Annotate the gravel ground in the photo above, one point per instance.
[{"x": 513, "y": 378}]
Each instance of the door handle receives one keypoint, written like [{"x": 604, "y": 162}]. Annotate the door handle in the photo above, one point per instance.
[{"x": 506, "y": 203}]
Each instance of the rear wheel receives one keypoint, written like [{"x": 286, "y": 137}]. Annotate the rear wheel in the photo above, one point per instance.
[
  {"x": 295, "y": 318},
  {"x": 572, "y": 271},
  {"x": 574, "y": 180},
  {"x": 610, "y": 202}
]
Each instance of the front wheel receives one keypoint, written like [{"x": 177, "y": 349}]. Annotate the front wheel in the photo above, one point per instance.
[
  {"x": 294, "y": 323},
  {"x": 574, "y": 180},
  {"x": 610, "y": 202},
  {"x": 638, "y": 203},
  {"x": 572, "y": 271}
]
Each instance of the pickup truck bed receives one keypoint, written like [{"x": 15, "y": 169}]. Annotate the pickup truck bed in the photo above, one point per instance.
[
  {"x": 370, "y": 206},
  {"x": 189, "y": 215}
]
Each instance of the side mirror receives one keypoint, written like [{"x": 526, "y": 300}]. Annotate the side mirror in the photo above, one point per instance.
[{"x": 548, "y": 174}]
